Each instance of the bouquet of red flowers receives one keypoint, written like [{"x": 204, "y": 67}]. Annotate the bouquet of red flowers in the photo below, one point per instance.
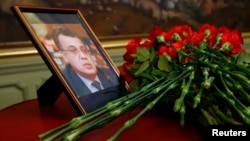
[
  {"x": 202, "y": 71},
  {"x": 205, "y": 67}
]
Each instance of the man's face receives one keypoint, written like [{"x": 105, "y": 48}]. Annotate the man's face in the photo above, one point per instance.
[{"x": 78, "y": 56}]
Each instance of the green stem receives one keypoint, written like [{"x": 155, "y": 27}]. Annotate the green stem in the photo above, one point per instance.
[
  {"x": 245, "y": 118},
  {"x": 208, "y": 117},
  {"x": 230, "y": 94},
  {"x": 131, "y": 122},
  {"x": 75, "y": 122},
  {"x": 197, "y": 98},
  {"x": 58, "y": 134},
  {"x": 59, "y": 128},
  {"x": 182, "y": 114},
  {"x": 127, "y": 105},
  {"x": 214, "y": 115},
  {"x": 239, "y": 89},
  {"x": 99, "y": 122},
  {"x": 243, "y": 69},
  {"x": 241, "y": 78},
  {"x": 225, "y": 117},
  {"x": 185, "y": 91}
]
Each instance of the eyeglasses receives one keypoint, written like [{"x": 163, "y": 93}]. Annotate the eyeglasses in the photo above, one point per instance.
[{"x": 75, "y": 51}]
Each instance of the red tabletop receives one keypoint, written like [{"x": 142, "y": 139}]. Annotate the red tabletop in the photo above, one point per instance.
[{"x": 26, "y": 120}]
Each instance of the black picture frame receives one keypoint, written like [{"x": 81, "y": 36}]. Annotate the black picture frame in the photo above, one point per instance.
[{"x": 39, "y": 23}]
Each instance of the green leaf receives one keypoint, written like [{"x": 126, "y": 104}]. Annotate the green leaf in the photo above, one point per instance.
[
  {"x": 243, "y": 58},
  {"x": 158, "y": 73},
  {"x": 163, "y": 64},
  {"x": 147, "y": 76},
  {"x": 142, "y": 68},
  {"x": 152, "y": 55},
  {"x": 134, "y": 85},
  {"x": 143, "y": 54}
]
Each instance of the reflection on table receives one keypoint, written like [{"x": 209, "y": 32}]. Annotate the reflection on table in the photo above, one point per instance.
[{"x": 25, "y": 121}]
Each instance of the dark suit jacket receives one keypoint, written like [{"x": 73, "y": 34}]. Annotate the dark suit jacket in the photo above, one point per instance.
[{"x": 89, "y": 100}]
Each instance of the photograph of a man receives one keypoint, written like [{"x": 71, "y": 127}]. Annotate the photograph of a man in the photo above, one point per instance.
[{"x": 84, "y": 77}]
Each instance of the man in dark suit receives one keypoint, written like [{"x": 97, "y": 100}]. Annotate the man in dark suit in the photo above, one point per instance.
[{"x": 94, "y": 86}]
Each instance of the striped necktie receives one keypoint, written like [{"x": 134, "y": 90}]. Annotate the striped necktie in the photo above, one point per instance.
[{"x": 97, "y": 85}]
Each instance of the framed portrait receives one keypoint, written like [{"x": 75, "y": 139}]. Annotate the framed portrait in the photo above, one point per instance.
[{"x": 73, "y": 54}]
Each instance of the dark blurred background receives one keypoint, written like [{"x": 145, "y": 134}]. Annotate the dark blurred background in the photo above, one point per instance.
[{"x": 129, "y": 17}]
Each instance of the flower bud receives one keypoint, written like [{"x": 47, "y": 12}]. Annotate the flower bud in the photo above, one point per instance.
[
  {"x": 176, "y": 37},
  {"x": 207, "y": 32},
  {"x": 226, "y": 47},
  {"x": 160, "y": 39}
]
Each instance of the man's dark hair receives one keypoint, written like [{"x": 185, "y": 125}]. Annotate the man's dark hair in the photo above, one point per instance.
[{"x": 62, "y": 31}]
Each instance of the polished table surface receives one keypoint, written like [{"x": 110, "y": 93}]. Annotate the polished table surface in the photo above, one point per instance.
[{"x": 26, "y": 120}]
